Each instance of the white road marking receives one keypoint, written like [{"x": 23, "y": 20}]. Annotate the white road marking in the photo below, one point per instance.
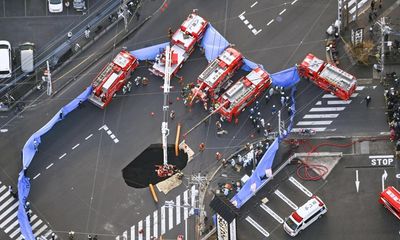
[
  {"x": 62, "y": 156},
  {"x": 103, "y": 127},
  {"x": 381, "y": 156},
  {"x": 271, "y": 21},
  {"x": 6, "y": 194},
  {"x": 193, "y": 192},
  {"x": 41, "y": 230},
  {"x": 241, "y": 16},
  {"x": 310, "y": 116},
  {"x": 186, "y": 202},
  {"x": 319, "y": 103},
  {"x": 304, "y": 123},
  {"x": 37, "y": 175},
  {"x": 339, "y": 102},
  {"x": 15, "y": 223},
  {"x": 8, "y": 220},
  {"x": 254, "y": 31},
  {"x": 148, "y": 232},
  {"x": 373, "y": 87},
  {"x": 284, "y": 10},
  {"x": 286, "y": 199},
  {"x": 112, "y": 136},
  {"x": 109, "y": 132},
  {"x": 155, "y": 223},
  {"x": 272, "y": 213},
  {"x": 3, "y": 130},
  {"x": 257, "y": 226},
  {"x": 300, "y": 186},
  {"x": 170, "y": 217},
  {"x": 77, "y": 145},
  {"x": 250, "y": 26},
  {"x": 162, "y": 220},
  {"x": 133, "y": 233},
  {"x": 178, "y": 209},
  {"x": 8, "y": 211},
  {"x": 293, "y": 2},
  {"x": 116, "y": 140},
  {"x": 125, "y": 235},
  {"x": 253, "y": 4},
  {"x": 49, "y": 165},
  {"x": 257, "y": 32},
  {"x": 359, "y": 88},
  {"x": 2, "y": 188},
  {"x": 327, "y": 109},
  {"x": 86, "y": 138},
  {"x": 140, "y": 228},
  {"x": 246, "y": 21},
  {"x": 334, "y": 96},
  {"x": 315, "y": 129},
  {"x": 12, "y": 235},
  {"x": 37, "y": 223}
]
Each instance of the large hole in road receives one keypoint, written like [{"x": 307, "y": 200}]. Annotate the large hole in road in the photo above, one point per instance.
[{"x": 142, "y": 170}]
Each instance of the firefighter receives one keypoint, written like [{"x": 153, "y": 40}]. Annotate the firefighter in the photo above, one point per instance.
[
  {"x": 271, "y": 91},
  {"x": 283, "y": 100},
  {"x": 218, "y": 156},
  {"x": 145, "y": 81},
  {"x": 289, "y": 111},
  {"x": 202, "y": 147},
  {"x": 267, "y": 99},
  {"x": 170, "y": 33},
  {"x": 218, "y": 125},
  {"x": 273, "y": 109},
  {"x": 269, "y": 128},
  {"x": 172, "y": 114}
]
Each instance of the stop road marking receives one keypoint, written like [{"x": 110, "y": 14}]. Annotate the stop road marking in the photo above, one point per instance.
[{"x": 385, "y": 160}]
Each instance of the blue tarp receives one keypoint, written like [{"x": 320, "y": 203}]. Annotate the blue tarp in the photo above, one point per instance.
[
  {"x": 254, "y": 182},
  {"x": 29, "y": 151},
  {"x": 213, "y": 43},
  {"x": 286, "y": 78},
  {"x": 250, "y": 65},
  {"x": 149, "y": 53}
]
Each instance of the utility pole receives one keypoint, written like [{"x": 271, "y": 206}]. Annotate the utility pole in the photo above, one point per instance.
[
  {"x": 124, "y": 13},
  {"x": 339, "y": 16},
  {"x": 385, "y": 30},
  {"x": 49, "y": 83}
]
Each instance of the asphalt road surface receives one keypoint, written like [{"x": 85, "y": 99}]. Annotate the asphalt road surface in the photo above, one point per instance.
[{"x": 80, "y": 186}]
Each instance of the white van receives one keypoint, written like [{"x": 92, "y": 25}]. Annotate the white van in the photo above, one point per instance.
[
  {"x": 5, "y": 59},
  {"x": 27, "y": 57},
  {"x": 304, "y": 216}
]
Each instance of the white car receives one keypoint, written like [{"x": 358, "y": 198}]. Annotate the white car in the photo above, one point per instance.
[
  {"x": 55, "y": 6},
  {"x": 5, "y": 59}
]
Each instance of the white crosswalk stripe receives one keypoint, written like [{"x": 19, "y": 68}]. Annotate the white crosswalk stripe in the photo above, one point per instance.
[
  {"x": 9, "y": 220},
  {"x": 313, "y": 123},
  {"x": 257, "y": 226},
  {"x": 297, "y": 130},
  {"x": 311, "y": 116},
  {"x": 334, "y": 96},
  {"x": 286, "y": 199},
  {"x": 327, "y": 109},
  {"x": 155, "y": 224},
  {"x": 339, "y": 102},
  {"x": 300, "y": 186}
]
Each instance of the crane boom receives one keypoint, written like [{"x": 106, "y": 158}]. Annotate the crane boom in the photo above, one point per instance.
[{"x": 164, "y": 125}]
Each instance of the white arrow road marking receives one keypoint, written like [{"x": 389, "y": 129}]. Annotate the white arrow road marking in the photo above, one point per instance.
[
  {"x": 384, "y": 176},
  {"x": 300, "y": 186},
  {"x": 272, "y": 213},
  {"x": 357, "y": 181},
  {"x": 286, "y": 199},
  {"x": 257, "y": 226}
]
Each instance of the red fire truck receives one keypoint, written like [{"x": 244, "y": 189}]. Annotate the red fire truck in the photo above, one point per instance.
[
  {"x": 113, "y": 78},
  {"x": 243, "y": 93},
  {"x": 183, "y": 42},
  {"x": 216, "y": 74},
  {"x": 328, "y": 76},
  {"x": 390, "y": 199}
]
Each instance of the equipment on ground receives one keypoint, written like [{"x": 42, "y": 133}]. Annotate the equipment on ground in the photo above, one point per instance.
[
  {"x": 328, "y": 77},
  {"x": 307, "y": 131},
  {"x": 183, "y": 42},
  {"x": 243, "y": 93},
  {"x": 216, "y": 74},
  {"x": 113, "y": 78}
]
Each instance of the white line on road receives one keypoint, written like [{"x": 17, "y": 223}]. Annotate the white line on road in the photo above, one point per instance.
[
  {"x": 381, "y": 156},
  {"x": 155, "y": 223},
  {"x": 327, "y": 109},
  {"x": 49, "y": 165},
  {"x": 271, "y": 21},
  {"x": 310, "y": 116},
  {"x": 62, "y": 156},
  {"x": 186, "y": 202},
  {"x": 300, "y": 186},
  {"x": 339, "y": 102},
  {"x": 37, "y": 175},
  {"x": 116, "y": 140},
  {"x": 250, "y": 26},
  {"x": 319, "y": 103},
  {"x": 246, "y": 21},
  {"x": 257, "y": 226},
  {"x": 77, "y": 145},
  {"x": 3, "y": 130},
  {"x": 313, "y": 123},
  {"x": 162, "y": 220},
  {"x": 333, "y": 96},
  {"x": 112, "y": 136},
  {"x": 148, "y": 233},
  {"x": 284, "y": 10},
  {"x": 178, "y": 209},
  {"x": 6, "y": 203},
  {"x": 272, "y": 213},
  {"x": 133, "y": 232},
  {"x": 359, "y": 88},
  {"x": 140, "y": 229},
  {"x": 7, "y": 212},
  {"x": 294, "y": 2},
  {"x": 170, "y": 217},
  {"x": 86, "y": 138},
  {"x": 286, "y": 199},
  {"x": 314, "y": 129},
  {"x": 255, "y": 33},
  {"x": 109, "y": 132},
  {"x": 242, "y": 15},
  {"x": 253, "y": 4}
]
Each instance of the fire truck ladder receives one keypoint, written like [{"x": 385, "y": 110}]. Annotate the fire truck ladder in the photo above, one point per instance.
[
  {"x": 211, "y": 68},
  {"x": 103, "y": 74}
]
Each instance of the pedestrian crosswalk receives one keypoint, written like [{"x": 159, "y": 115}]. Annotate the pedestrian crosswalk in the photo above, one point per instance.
[
  {"x": 324, "y": 113},
  {"x": 165, "y": 218},
  {"x": 284, "y": 200},
  {"x": 351, "y": 4},
  {"x": 9, "y": 221}
]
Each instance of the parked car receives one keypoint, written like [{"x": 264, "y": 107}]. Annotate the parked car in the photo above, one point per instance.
[
  {"x": 27, "y": 57},
  {"x": 5, "y": 59},
  {"x": 55, "y": 6},
  {"x": 79, "y": 5}
]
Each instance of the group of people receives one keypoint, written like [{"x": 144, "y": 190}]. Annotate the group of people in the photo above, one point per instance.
[
  {"x": 374, "y": 9},
  {"x": 393, "y": 110}
]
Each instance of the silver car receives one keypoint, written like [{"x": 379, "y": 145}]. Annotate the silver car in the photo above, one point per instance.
[{"x": 79, "y": 5}]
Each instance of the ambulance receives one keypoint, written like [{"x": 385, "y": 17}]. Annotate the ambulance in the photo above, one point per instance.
[
  {"x": 304, "y": 216},
  {"x": 390, "y": 199}
]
